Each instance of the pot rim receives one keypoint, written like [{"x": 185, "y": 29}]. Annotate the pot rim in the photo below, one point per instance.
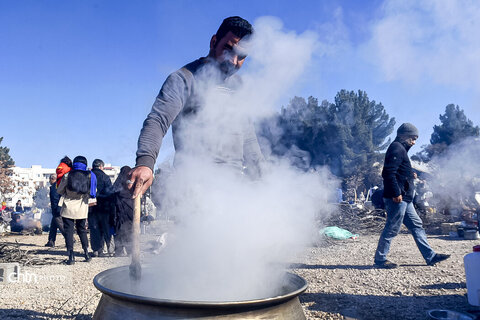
[{"x": 300, "y": 282}]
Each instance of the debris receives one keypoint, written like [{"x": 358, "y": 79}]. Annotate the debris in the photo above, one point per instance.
[
  {"x": 338, "y": 233},
  {"x": 13, "y": 253},
  {"x": 358, "y": 220}
]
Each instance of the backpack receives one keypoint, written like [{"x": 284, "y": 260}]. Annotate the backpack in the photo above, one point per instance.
[
  {"x": 377, "y": 199},
  {"x": 79, "y": 181}
]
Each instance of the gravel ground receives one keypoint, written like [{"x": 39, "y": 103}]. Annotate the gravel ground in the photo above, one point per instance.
[{"x": 342, "y": 282}]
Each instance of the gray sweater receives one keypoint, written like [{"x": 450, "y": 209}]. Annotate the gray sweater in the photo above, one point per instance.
[{"x": 179, "y": 101}]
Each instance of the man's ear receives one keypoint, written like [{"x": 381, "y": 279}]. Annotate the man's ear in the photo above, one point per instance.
[{"x": 213, "y": 42}]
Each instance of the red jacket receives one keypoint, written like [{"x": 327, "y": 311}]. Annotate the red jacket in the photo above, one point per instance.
[{"x": 61, "y": 170}]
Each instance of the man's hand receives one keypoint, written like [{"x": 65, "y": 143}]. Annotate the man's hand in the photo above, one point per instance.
[
  {"x": 397, "y": 199},
  {"x": 140, "y": 178}
]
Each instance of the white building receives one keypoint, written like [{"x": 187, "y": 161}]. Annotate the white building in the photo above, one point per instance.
[
  {"x": 111, "y": 171},
  {"x": 28, "y": 180}
]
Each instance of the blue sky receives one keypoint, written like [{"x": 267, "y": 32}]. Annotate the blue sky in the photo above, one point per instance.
[{"x": 79, "y": 77}]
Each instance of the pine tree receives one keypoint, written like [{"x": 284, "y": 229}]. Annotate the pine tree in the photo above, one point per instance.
[
  {"x": 454, "y": 128},
  {"x": 6, "y": 163},
  {"x": 347, "y": 136}
]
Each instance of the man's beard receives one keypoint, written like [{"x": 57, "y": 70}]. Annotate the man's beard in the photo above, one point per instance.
[{"x": 227, "y": 68}]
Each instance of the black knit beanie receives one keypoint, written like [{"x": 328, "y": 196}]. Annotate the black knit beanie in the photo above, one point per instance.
[{"x": 407, "y": 129}]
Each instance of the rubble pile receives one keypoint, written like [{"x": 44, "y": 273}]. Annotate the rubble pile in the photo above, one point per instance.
[
  {"x": 13, "y": 253},
  {"x": 357, "y": 219}
]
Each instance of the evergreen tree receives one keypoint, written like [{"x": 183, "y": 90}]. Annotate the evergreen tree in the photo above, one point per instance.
[
  {"x": 6, "y": 163},
  {"x": 454, "y": 128},
  {"x": 347, "y": 136}
]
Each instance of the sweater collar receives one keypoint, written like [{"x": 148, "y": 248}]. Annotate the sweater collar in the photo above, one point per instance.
[{"x": 403, "y": 142}]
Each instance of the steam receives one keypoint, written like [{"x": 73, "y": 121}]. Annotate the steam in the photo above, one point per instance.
[
  {"x": 236, "y": 228},
  {"x": 457, "y": 174}
]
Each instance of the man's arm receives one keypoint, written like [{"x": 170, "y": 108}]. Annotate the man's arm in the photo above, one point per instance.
[{"x": 168, "y": 104}]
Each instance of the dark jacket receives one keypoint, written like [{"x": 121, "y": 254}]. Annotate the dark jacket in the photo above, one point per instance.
[
  {"x": 54, "y": 198},
  {"x": 123, "y": 208},
  {"x": 104, "y": 192},
  {"x": 397, "y": 172}
]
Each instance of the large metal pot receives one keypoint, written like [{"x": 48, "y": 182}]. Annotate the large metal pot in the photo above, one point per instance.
[{"x": 115, "y": 304}]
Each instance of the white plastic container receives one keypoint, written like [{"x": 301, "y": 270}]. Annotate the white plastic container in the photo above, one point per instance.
[{"x": 472, "y": 273}]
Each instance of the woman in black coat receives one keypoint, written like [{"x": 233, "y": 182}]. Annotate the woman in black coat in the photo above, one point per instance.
[{"x": 123, "y": 213}]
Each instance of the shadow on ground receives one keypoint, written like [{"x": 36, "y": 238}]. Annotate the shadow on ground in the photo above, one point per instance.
[
  {"x": 447, "y": 286},
  {"x": 330, "y": 267},
  {"x": 376, "y": 307},
  {"x": 6, "y": 314},
  {"x": 345, "y": 266},
  {"x": 21, "y": 244}
]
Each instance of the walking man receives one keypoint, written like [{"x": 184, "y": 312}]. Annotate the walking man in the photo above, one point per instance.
[
  {"x": 100, "y": 214},
  {"x": 398, "y": 196},
  {"x": 57, "y": 222}
]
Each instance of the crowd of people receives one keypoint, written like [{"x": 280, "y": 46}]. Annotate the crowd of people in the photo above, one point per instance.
[
  {"x": 20, "y": 218},
  {"x": 85, "y": 200}
]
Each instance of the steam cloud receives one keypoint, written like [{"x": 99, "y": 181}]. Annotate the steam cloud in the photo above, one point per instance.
[
  {"x": 457, "y": 174},
  {"x": 234, "y": 234}
]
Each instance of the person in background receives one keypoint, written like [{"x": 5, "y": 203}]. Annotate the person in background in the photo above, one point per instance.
[
  {"x": 123, "y": 213},
  {"x": 5, "y": 215},
  {"x": 398, "y": 196},
  {"x": 100, "y": 214},
  {"x": 57, "y": 222},
  {"x": 77, "y": 187},
  {"x": 21, "y": 223},
  {"x": 18, "y": 206},
  {"x": 64, "y": 167}
]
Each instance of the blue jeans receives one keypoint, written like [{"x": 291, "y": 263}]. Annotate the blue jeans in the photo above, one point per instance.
[{"x": 398, "y": 213}]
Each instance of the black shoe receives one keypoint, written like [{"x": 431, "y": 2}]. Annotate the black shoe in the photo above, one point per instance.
[
  {"x": 386, "y": 265},
  {"x": 437, "y": 258},
  {"x": 87, "y": 256},
  {"x": 71, "y": 258},
  {"x": 50, "y": 244}
]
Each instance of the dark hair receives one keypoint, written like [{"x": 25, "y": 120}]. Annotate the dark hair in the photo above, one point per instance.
[
  {"x": 67, "y": 161},
  {"x": 97, "y": 163},
  {"x": 80, "y": 159},
  {"x": 79, "y": 181},
  {"x": 238, "y": 26}
]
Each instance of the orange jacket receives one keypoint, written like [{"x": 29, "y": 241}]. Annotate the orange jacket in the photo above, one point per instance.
[{"x": 61, "y": 170}]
